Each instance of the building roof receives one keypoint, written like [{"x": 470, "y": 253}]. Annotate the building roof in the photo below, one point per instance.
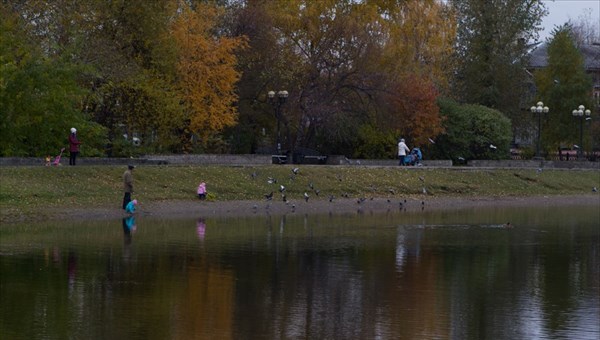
[{"x": 591, "y": 55}]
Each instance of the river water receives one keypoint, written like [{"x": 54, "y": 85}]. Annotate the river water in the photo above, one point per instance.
[{"x": 457, "y": 274}]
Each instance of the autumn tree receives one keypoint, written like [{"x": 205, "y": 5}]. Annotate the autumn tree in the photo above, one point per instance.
[
  {"x": 421, "y": 39},
  {"x": 206, "y": 70},
  {"x": 337, "y": 60},
  {"x": 415, "y": 113}
]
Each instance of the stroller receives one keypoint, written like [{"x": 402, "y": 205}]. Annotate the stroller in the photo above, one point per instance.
[
  {"x": 56, "y": 161},
  {"x": 414, "y": 157}
]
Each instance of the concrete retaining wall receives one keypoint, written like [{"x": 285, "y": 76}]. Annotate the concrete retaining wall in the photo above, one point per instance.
[
  {"x": 341, "y": 160},
  {"x": 266, "y": 159},
  {"x": 212, "y": 159},
  {"x": 533, "y": 164}
]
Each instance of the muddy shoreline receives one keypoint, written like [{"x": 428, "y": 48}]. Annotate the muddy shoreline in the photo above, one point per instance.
[{"x": 192, "y": 209}]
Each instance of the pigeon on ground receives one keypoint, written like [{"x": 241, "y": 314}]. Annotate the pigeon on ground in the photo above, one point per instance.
[
  {"x": 269, "y": 196},
  {"x": 281, "y": 188},
  {"x": 331, "y": 198},
  {"x": 271, "y": 180},
  {"x": 594, "y": 189},
  {"x": 295, "y": 171},
  {"x": 306, "y": 197}
]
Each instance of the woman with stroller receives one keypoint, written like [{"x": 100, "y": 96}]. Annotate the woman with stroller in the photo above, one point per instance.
[{"x": 402, "y": 150}]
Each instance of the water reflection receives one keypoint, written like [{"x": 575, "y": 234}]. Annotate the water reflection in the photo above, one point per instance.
[{"x": 452, "y": 274}]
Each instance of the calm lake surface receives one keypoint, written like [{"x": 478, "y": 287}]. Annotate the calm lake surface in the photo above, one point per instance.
[{"x": 429, "y": 275}]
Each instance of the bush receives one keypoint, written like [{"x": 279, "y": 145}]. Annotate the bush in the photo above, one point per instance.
[
  {"x": 472, "y": 132},
  {"x": 374, "y": 144}
]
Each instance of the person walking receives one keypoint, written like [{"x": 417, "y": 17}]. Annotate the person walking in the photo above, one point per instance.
[
  {"x": 127, "y": 185},
  {"x": 402, "y": 151},
  {"x": 73, "y": 146}
]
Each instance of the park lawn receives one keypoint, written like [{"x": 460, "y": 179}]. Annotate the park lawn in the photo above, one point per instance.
[{"x": 27, "y": 190}]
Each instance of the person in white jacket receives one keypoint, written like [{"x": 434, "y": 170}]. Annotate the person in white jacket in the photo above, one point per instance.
[{"x": 403, "y": 150}]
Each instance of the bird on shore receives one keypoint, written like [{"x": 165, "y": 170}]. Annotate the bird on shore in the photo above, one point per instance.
[
  {"x": 594, "y": 189},
  {"x": 284, "y": 198},
  {"x": 306, "y": 197},
  {"x": 317, "y": 191},
  {"x": 331, "y": 198},
  {"x": 391, "y": 191},
  {"x": 281, "y": 188},
  {"x": 295, "y": 171},
  {"x": 269, "y": 197},
  {"x": 271, "y": 180},
  {"x": 424, "y": 191}
]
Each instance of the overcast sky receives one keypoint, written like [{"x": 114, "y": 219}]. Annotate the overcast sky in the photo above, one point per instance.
[{"x": 560, "y": 11}]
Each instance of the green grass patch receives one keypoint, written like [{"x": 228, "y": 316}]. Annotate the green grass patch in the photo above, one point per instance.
[{"x": 24, "y": 190}]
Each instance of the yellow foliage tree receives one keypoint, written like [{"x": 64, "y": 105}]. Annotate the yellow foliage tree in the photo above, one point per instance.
[
  {"x": 206, "y": 69},
  {"x": 422, "y": 34}
]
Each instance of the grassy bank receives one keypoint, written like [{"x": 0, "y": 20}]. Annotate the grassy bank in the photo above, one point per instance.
[{"x": 32, "y": 190}]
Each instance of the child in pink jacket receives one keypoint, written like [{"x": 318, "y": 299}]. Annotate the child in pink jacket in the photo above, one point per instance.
[{"x": 202, "y": 191}]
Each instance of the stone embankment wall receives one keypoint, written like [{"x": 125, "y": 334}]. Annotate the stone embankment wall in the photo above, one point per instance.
[
  {"x": 240, "y": 160},
  {"x": 534, "y": 164},
  {"x": 148, "y": 160}
]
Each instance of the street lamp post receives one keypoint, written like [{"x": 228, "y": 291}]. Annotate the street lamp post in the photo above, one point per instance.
[
  {"x": 277, "y": 102},
  {"x": 580, "y": 112},
  {"x": 539, "y": 108}
]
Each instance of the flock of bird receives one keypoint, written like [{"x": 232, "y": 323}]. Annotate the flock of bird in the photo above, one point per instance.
[{"x": 312, "y": 190}]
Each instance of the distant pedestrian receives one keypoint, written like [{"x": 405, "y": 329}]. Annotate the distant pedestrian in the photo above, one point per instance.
[
  {"x": 402, "y": 151},
  {"x": 128, "y": 185},
  {"x": 73, "y": 146},
  {"x": 202, "y": 191}
]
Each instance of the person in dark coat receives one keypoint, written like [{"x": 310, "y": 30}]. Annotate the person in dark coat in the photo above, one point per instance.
[
  {"x": 73, "y": 146},
  {"x": 127, "y": 185}
]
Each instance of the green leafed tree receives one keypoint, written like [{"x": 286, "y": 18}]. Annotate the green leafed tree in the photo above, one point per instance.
[
  {"x": 40, "y": 98},
  {"x": 492, "y": 47},
  {"x": 563, "y": 85}
]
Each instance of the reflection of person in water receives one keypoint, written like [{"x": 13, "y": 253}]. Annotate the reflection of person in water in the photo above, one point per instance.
[
  {"x": 128, "y": 227},
  {"x": 71, "y": 268},
  {"x": 200, "y": 228}
]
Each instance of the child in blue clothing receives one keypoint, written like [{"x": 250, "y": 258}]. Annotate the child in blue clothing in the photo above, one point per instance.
[{"x": 130, "y": 208}]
